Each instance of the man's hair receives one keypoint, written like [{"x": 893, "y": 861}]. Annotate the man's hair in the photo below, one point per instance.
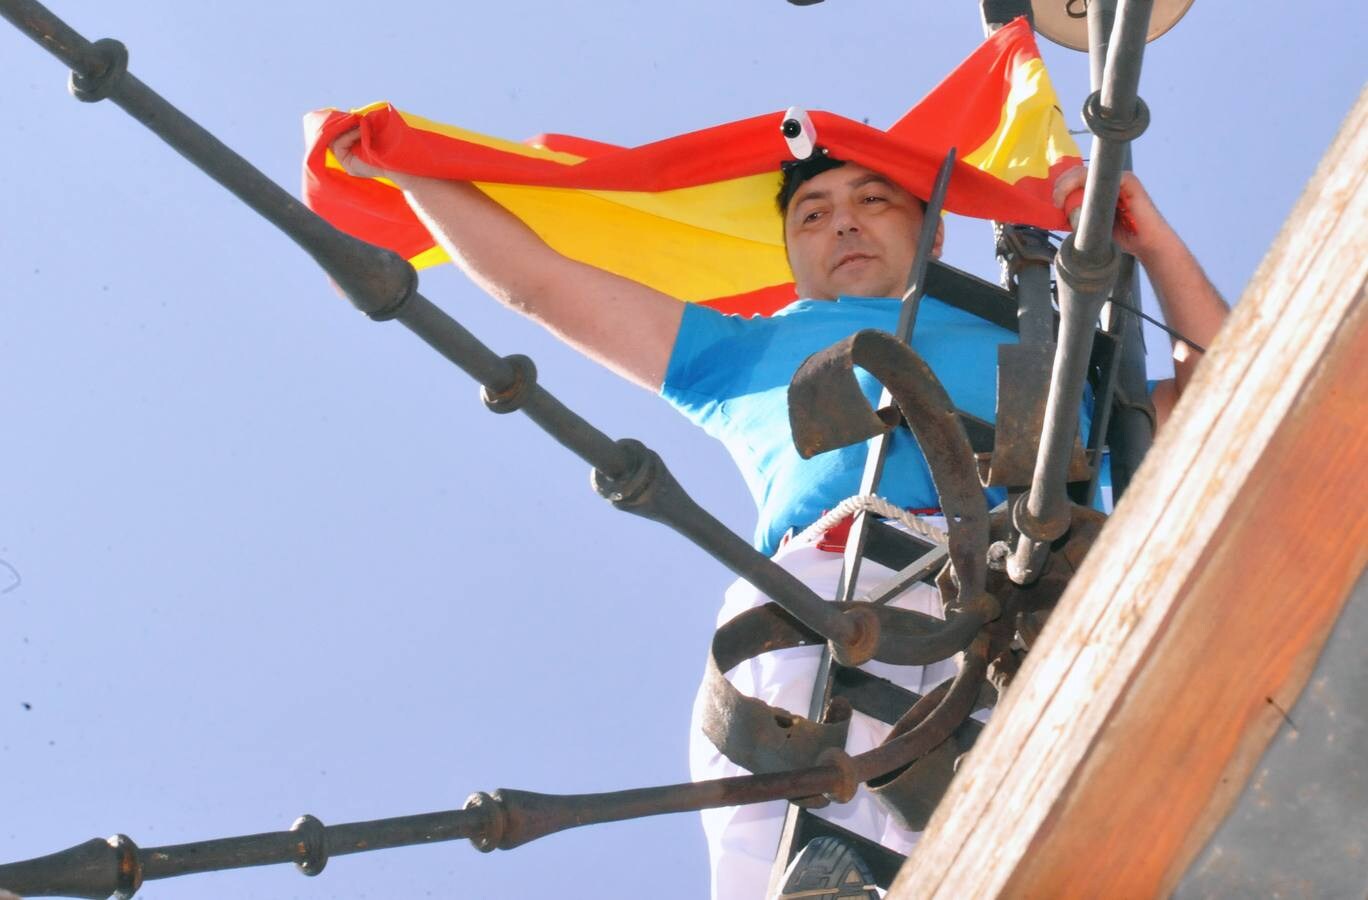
[{"x": 798, "y": 171}]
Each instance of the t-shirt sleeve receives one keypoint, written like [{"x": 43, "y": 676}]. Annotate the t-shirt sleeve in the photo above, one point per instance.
[{"x": 711, "y": 355}]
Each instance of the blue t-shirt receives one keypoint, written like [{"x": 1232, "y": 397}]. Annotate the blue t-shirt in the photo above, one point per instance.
[{"x": 730, "y": 375}]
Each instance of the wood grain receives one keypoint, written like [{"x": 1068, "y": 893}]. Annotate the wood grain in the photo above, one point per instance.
[{"x": 1200, "y": 612}]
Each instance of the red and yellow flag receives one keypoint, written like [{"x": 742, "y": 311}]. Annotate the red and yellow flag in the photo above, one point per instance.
[{"x": 694, "y": 216}]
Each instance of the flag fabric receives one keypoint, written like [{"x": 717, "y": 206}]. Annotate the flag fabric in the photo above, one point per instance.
[{"x": 694, "y": 216}]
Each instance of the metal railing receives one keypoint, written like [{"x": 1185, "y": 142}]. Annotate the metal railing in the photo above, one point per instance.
[{"x": 633, "y": 478}]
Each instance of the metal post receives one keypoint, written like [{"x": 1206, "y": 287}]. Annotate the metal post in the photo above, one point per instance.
[
  {"x": 907, "y": 320},
  {"x": 1087, "y": 264},
  {"x": 1023, "y": 251},
  {"x": 1124, "y": 422}
]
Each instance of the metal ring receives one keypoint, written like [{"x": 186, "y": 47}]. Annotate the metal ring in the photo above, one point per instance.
[
  {"x": 1083, "y": 274},
  {"x": 511, "y": 398},
  {"x": 130, "y": 871},
  {"x": 1110, "y": 127},
  {"x": 495, "y": 824},
  {"x": 93, "y": 87},
  {"x": 628, "y": 491},
  {"x": 1044, "y": 529},
  {"x": 311, "y": 853}
]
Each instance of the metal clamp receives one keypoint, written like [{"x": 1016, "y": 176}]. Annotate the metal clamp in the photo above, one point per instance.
[{"x": 1022, "y": 245}]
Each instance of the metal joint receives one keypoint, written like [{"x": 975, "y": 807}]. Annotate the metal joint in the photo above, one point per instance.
[
  {"x": 130, "y": 869},
  {"x": 633, "y": 488},
  {"x": 862, "y": 647},
  {"x": 985, "y": 604},
  {"x": 402, "y": 278},
  {"x": 1022, "y": 245},
  {"x": 92, "y": 87},
  {"x": 837, "y": 758},
  {"x": 1043, "y": 529},
  {"x": 1111, "y": 127},
  {"x": 511, "y": 398},
  {"x": 311, "y": 852},
  {"x": 1084, "y": 274},
  {"x": 491, "y": 834}
]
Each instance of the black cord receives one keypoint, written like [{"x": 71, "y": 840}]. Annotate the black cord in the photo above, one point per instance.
[
  {"x": 1059, "y": 236},
  {"x": 1153, "y": 321},
  {"x": 1158, "y": 324}
]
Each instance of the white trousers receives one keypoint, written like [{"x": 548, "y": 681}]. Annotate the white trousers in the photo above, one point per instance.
[{"x": 742, "y": 841}]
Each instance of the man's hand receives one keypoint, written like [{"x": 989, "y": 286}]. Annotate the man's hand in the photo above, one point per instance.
[
  {"x": 1139, "y": 230},
  {"x": 344, "y": 148},
  {"x": 1189, "y": 301}
]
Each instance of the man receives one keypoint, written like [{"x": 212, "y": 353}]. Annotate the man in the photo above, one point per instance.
[{"x": 851, "y": 235}]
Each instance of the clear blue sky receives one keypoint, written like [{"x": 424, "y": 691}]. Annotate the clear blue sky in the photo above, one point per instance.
[{"x": 277, "y": 559}]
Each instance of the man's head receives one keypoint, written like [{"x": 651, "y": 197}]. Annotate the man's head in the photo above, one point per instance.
[{"x": 849, "y": 230}]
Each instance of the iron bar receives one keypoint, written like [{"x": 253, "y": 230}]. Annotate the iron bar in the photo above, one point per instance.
[
  {"x": 1087, "y": 265},
  {"x": 1118, "y": 367},
  {"x": 500, "y": 379},
  {"x": 651, "y": 491},
  {"x": 1127, "y": 431},
  {"x": 1022, "y": 250},
  {"x": 907, "y": 320},
  {"x": 54, "y": 36},
  {"x": 502, "y": 820},
  {"x": 99, "y": 868},
  {"x": 926, "y": 564},
  {"x": 384, "y": 286},
  {"x": 1035, "y": 312}
]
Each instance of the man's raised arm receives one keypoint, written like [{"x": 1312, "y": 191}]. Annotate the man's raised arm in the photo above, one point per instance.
[{"x": 625, "y": 325}]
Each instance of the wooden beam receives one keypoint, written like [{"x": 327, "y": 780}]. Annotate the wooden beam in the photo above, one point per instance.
[{"x": 1199, "y": 613}]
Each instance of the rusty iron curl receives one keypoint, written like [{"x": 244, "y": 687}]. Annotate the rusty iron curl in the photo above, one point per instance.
[{"x": 829, "y": 409}]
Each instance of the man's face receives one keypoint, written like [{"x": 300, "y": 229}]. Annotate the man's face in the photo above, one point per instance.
[{"x": 851, "y": 232}]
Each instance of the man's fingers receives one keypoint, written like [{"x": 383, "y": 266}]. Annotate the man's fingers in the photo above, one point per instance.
[
  {"x": 344, "y": 149},
  {"x": 1067, "y": 183},
  {"x": 342, "y": 145},
  {"x": 1068, "y": 192}
]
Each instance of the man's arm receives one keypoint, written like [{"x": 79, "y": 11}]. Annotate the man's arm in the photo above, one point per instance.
[
  {"x": 1190, "y": 302},
  {"x": 625, "y": 325}
]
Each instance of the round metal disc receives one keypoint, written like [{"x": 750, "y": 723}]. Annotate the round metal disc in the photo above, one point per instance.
[{"x": 1066, "y": 21}]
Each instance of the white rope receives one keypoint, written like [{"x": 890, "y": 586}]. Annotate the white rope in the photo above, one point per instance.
[{"x": 874, "y": 504}]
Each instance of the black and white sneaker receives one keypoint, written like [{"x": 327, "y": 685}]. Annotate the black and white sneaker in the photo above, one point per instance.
[{"x": 828, "y": 869}]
